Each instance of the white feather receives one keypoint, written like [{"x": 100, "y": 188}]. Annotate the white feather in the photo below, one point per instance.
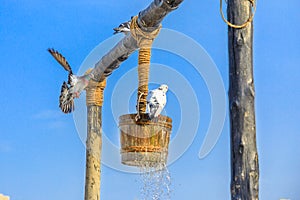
[{"x": 157, "y": 100}]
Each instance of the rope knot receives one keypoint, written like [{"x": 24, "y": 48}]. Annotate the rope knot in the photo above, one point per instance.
[{"x": 143, "y": 38}]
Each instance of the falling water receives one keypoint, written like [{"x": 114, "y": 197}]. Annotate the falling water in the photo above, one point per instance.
[{"x": 156, "y": 181}]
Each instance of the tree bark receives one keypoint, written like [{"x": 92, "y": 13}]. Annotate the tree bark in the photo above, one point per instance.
[
  {"x": 149, "y": 20},
  {"x": 244, "y": 156},
  {"x": 93, "y": 153}
]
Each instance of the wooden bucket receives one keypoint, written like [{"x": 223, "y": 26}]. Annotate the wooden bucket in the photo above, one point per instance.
[{"x": 144, "y": 141}]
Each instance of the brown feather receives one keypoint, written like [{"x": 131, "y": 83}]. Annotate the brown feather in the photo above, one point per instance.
[{"x": 61, "y": 59}]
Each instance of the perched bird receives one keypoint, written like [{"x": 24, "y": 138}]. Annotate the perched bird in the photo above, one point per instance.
[
  {"x": 123, "y": 28},
  {"x": 157, "y": 100},
  {"x": 66, "y": 98}
]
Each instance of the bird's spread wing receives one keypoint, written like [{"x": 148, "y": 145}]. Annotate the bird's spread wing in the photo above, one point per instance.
[
  {"x": 66, "y": 100},
  {"x": 61, "y": 59}
]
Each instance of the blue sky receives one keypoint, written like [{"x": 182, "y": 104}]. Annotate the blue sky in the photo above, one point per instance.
[{"x": 42, "y": 156}]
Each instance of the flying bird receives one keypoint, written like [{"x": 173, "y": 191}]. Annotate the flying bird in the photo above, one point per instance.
[
  {"x": 123, "y": 28},
  {"x": 157, "y": 100},
  {"x": 66, "y": 102},
  {"x": 66, "y": 98}
]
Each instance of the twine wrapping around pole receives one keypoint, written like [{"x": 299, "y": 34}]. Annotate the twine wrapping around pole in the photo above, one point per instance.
[
  {"x": 143, "y": 71},
  {"x": 250, "y": 19},
  {"x": 94, "y": 92},
  {"x": 144, "y": 41}
]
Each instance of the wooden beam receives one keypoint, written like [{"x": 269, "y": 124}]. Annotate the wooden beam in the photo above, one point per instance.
[{"x": 149, "y": 20}]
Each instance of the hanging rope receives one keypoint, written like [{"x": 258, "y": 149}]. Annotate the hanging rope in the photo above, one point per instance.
[
  {"x": 250, "y": 19},
  {"x": 138, "y": 116},
  {"x": 94, "y": 92},
  {"x": 144, "y": 41},
  {"x": 143, "y": 76}
]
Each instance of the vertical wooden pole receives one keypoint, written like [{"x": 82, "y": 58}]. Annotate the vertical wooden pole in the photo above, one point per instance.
[
  {"x": 244, "y": 156},
  {"x": 94, "y": 101}
]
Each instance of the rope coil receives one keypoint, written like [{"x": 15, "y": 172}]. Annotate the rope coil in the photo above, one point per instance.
[
  {"x": 144, "y": 41},
  {"x": 94, "y": 92},
  {"x": 250, "y": 19},
  {"x": 143, "y": 38}
]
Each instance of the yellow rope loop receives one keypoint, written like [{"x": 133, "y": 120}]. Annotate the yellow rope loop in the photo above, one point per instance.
[
  {"x": 143, "y": 38},
  {"x": 142, "y": 98},
  {"x": 250, "y": 19},
  {"x": 94, "y": 92},
  {"x": 138, "y": 116}
]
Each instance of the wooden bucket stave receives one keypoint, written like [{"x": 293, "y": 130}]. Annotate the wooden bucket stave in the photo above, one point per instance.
[{"x": 145, "y": 140}]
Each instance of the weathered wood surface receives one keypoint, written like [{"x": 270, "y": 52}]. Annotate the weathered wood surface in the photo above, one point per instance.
[
  {"x": 244, "y": 156},
  {"x": 149, "y": 20},
  {"x": 93, "y": 153}
]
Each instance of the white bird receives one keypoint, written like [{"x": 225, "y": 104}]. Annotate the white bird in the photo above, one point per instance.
[
  {"x": 123, "y": 28},
  {"x": 66, "y": 98},
  {"x": 156, "y": 101}
]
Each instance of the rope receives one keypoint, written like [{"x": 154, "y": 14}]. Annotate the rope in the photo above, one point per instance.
[
  {"x": 94, "y": 92},
  {"x": 138, "y": 116},
  {"x": 144, "y": 149},
  {"x": 143, "y": 38},
  {"x": 144, "y": 41},
  {"x": 143, "y": 71},
  {"x": 250, "y": 19}
]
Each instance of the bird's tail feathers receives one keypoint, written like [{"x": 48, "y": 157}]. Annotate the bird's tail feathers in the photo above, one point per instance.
[{"x": 60, "y": 59}]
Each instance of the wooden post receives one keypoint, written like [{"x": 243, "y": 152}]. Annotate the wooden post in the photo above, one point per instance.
[
  {"x": 94, "y": 101},
  {"x": 149, "y": 20},
  {"x": 244, "y": 156}
]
